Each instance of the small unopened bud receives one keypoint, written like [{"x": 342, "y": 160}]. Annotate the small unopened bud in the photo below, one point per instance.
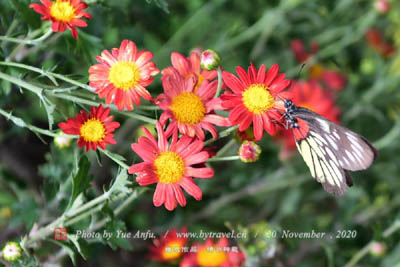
[
  {"x": 62, "y": 140},
  {"x": 11, "y": 251},
  {"x": 249, "y": 151},
  {"x": 382, "y": 6},
  {"x": 209, "y": 60},
  {"x": 377, "y": 249}
]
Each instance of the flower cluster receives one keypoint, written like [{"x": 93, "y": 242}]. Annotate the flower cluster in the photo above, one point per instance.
[
  {"x": 189, "y": 103},
  {"x": 173, "y": 247}
]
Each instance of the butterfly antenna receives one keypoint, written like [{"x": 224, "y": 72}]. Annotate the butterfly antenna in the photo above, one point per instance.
[{"x": 301, "y": 69}]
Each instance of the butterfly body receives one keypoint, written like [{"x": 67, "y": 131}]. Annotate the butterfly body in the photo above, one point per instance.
[{"x": 329, "y": 150}]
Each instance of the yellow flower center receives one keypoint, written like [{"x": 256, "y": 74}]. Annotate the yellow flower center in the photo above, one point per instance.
[
  {"x": 93, "y": 130},
  {"x": 62, "y": 11},
  {"x": 124, "y": 75},
  {"x": 172, "y": 250},
  {"x": 257, "y": 99},
  {"x": 213, "y": 258},
  {"x": 169, "y": 167},
  {"x": 188, "y": 108}
]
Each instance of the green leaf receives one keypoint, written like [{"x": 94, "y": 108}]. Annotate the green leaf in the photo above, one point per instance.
[
  {"x": 25, "y": 13},
  {"x": 25, "y": 261},
  {"x": 49, "y": 107},
  {"x": 6, "y": 198},
  {"x": 26, "y": 212},
  {"x": 6, "y": 86},
  {"x": 114, "y": 241},
  {"x": 80, "y": 244},
  {"x": 121, "y": 183},
  {"x": 70, "y": 248},
  {"x": 161, "y": 4},
  {"x": 80, "y": 181},
  {"x": 108, "y": 211},
  {"x": 98, "y": 157}
]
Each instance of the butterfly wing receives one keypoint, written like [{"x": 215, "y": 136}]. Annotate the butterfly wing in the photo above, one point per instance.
[{"x": 330, "y": 149}]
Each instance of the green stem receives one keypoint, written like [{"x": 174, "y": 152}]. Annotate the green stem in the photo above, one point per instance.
[
  {"x": 117, "y": 211},
  {"x": 90, "y": 212},
  {"x": 27, "y": 41},
  {"x": 219, "y": 71},
  {"x": 144, "y": 107},
  {"x": 39, "y": 91},
  {"x": 226, "y": 147},
  {"x": 68, "y": 80},
  {"x": 364, "y": 251},
  {"x": 94, "y": 103},
  {"x": 22, "y": 83},
  {"x": 48, "y": 74},
  {"x": 390, "y": 137},
  {"x": 230, "y": 158},
  {"x": 65, "y": 218},
  {"x": 19, "y": 122},
  {"x": 27, "y": 67},
  {"x": 9, "y": 31},
  {"x": 223, "y": 133},
  {"x": 119, "y": 162}
]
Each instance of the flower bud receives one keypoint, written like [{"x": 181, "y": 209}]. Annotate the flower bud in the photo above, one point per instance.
[
  {"x": 249, "y": 151},
  {"x": 12, "y": 251},
  {"x": 382, "y": 6},
  {"x": 377, "y": 249},
  {"x": 62, "y": 140},
  {"x": 209, "y": 60}
]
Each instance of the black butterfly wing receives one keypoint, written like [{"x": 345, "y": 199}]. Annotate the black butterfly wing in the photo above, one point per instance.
[{"x": 330, "y": 149}]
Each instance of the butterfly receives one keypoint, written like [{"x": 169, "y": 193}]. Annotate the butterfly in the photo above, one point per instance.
[{"x": 329, "y": 150}]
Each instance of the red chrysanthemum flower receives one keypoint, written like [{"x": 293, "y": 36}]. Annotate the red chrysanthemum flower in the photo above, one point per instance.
[
  {"x": 190, "y": 110},
  {"x": 123, "y": 74},
  {"x": 309, "y": 95},
  {"x": 95, "y": 129},
  {"x": 300, "y": 52},
  {"x": 331, "y": 78},
  {"x": 209, "y": 254},
  {"x": 168, "y": 248},
  {"x": 63, "y": 14},
  {"x": 255, "y": 98},
  {"x": 189, "y": 68},
  {"x": 376, "y": 41},
  {"x": 169, "y": 165}
]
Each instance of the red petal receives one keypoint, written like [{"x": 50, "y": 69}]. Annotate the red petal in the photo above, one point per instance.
[
  {"x": 139, "y": 167},
  {"x": 170, "y": 201},
  {"x": 191, "y": 188},
  {"x": 199, "y": 172},
  {"x": 271, "y": 74},
  {"x": 159, "y": 195},
  {"x": 258, "y": 126},
  {"x": 180, "y": 63},
  {"x": 233, "y": 82},
  {"x": 196, "y": 158}
]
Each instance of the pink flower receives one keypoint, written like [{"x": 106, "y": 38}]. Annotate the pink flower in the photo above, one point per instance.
[
  {"x": 170, "y": 166},
  {"x": 191, "y": 111}
]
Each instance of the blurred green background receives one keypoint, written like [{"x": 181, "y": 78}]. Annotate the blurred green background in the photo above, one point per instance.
[{"x": 267, "y": 194}]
